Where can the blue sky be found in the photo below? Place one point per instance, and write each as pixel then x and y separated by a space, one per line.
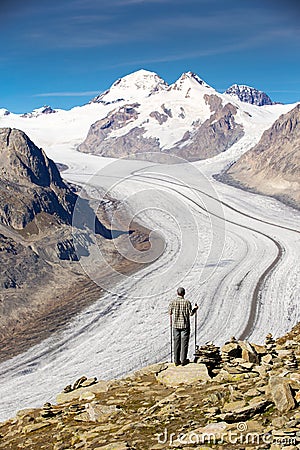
pixel 64 52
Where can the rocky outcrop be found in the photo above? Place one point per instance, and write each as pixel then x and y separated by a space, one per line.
pixel 272 167
pixel 130 144
pixel 30 183
pixel 249 94
pixel 189 374
pixel 18 264
pixel 100 141
pixel 102 129
pixel 213 136
pixel 163 406
pixel 281 394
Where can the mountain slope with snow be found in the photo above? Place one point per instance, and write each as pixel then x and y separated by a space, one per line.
pixel 273 165
pixel 188 118
pixel 142 112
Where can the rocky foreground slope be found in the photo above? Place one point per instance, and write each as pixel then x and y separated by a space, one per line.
pixel 272 167
pixel 240 396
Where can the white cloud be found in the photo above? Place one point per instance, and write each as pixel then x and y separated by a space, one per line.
pixel 67 94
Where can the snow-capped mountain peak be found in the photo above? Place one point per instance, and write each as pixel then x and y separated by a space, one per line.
pixel 249 94
pixel 139 84
pixel 46 109
pixel 189 80
pixel 141 79
pixel 4 112
pixel 141 113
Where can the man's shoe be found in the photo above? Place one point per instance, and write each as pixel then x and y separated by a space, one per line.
pixel 177 364
pixel 184 363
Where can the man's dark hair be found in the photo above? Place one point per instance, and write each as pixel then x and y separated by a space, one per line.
pixel 181 291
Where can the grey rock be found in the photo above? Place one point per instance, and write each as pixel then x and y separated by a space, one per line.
pixel 249 94
pixel 30 182
pixel 211 137
pixel 281 394
pixel 245 412
pixel 161 118
pixel 40 111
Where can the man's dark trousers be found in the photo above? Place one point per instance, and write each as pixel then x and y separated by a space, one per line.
pixel 181 344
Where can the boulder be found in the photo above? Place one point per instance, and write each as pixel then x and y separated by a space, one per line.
pixel 232 406
pixel 247 366
pixel 248 352
pixel 192 373
pixel 232 350
pixel 245 413
pixel 149 370
pixel 97 413
pixel 281 394
pixel 78 383
pixel 259 349
pixel 225 376
pixel 89 382
pixel 267 359
pixel 100 386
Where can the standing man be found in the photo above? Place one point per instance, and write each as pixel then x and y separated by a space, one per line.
pixel 181 309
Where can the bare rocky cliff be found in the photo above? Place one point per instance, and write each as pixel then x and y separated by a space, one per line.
pixel 249 94
pixel 272 167
pixel 213 136
pixel 30 183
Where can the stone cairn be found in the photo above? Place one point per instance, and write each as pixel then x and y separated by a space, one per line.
pixel 48 411
pixel 291 361
pixel 230 351
pixel 208 354
pixel 270 345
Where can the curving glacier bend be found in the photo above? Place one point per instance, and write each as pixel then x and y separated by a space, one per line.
pixel 218 243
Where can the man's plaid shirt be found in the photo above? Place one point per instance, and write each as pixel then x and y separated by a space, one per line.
pixel 181 310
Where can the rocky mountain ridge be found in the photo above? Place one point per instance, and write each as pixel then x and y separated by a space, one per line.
pixel 272 167
pixel 187 118
pixel 238 395
pixel 30 183
pixel 249 94
pixel 46 109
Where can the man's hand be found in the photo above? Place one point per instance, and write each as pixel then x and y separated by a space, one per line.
pixel 194 309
